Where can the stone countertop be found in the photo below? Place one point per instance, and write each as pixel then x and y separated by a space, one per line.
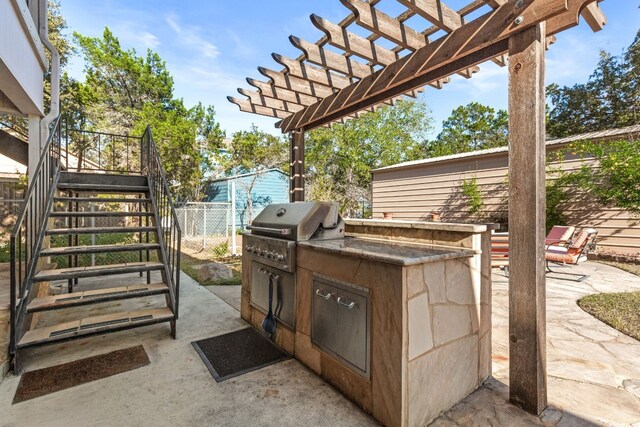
pixel 388 251
pixel 445 226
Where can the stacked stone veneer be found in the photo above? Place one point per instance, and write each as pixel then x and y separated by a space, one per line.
pixel 449 336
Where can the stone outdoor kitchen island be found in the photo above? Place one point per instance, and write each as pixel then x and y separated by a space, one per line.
pixel 410 308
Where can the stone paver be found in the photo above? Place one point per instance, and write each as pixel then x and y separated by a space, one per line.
pixel 594 370
pixel 594 373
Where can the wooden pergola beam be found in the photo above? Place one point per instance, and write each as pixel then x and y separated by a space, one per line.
pixel 268 89
pixel 311 73
pixel 439 84
pixel 385 26
pixel 258 99
pixel 247 107
pixel 482 39
pixel 594 16
pixel 331 60
pixel 353 43
pixel 296 83
pixel 392 29
pixel 436 12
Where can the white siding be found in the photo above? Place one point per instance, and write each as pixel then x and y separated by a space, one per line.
pixel 22 60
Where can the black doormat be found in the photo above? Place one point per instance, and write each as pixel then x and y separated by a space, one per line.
pixel 237 353
pixel 60 377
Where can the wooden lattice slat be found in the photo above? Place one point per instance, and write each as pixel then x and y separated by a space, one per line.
pixel 322 82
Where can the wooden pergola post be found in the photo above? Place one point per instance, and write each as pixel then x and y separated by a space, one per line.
pixel 527 154
pixel 296 166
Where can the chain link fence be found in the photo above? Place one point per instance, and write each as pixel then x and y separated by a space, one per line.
pixel 208 226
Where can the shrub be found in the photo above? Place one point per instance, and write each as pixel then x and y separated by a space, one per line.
pixel 471 190
pixel 220 250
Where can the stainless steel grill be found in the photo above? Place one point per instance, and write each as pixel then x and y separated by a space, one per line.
pixel 299 221
pixel 271 245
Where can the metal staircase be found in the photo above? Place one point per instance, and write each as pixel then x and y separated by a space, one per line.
pixel 69 277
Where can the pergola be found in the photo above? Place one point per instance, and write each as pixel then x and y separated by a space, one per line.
pixel 321 87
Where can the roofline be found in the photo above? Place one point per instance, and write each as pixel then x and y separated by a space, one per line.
pixel 591 136
pixel 242 175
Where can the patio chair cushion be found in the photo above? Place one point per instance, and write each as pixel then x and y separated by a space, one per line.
pixel 561 255
pixel 559 234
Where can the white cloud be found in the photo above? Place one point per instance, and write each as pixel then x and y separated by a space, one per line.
pixel 570 60
pixel 189 36
pixel 131 34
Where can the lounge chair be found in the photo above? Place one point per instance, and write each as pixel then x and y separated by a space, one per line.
pixel 571 252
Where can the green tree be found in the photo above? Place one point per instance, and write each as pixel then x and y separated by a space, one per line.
pixel 118 83
pixel 470 127
pixel 123 93
pixel 615 181
pixel 257 152
pixel 609 99
pixel 339 159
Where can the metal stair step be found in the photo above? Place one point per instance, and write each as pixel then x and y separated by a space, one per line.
pixel 101 214
pixel 74 299
pixel 102 199
pixel 103 188
pixel 96 271
pixel 98 230
pixel 94 325
pixel 96 249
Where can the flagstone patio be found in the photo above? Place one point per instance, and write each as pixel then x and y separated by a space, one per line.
pixel 594 373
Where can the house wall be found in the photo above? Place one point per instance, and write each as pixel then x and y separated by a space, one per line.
pixel 22 60
pixel 270 187
pixel 413 193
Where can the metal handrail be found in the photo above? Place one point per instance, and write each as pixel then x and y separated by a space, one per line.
pixel 168 227
pixel 28 232
pixel 110 152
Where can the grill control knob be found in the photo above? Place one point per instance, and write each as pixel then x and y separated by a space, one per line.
pixel 280 257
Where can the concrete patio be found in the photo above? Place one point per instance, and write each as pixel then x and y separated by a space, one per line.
pixel 594 373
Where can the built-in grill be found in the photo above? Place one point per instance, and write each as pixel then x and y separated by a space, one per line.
pixel 271 245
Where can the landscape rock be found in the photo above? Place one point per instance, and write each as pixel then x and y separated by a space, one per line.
pixel 214 271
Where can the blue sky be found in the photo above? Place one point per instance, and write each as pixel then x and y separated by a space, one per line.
pixel 211 47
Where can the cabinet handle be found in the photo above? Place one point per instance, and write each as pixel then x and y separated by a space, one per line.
pixel 349 306
pixel 327 296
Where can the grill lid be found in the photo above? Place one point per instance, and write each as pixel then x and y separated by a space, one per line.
pixel 298 221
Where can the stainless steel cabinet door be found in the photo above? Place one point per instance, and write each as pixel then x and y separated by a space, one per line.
pixel 352 328
pixel 323 324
